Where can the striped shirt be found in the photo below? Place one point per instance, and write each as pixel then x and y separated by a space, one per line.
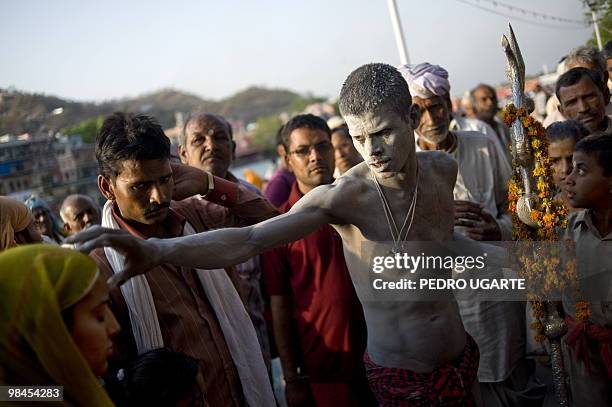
pixel 187 320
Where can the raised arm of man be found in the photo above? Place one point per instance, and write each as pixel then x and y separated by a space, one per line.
pixel 218 248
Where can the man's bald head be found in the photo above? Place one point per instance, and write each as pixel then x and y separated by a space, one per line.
pixel 370 87
pixel 79 212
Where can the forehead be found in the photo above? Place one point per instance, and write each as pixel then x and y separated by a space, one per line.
pixel 144 170
pixel 584 85
pixel 80 204
pixel 564 146
pixel 372 122
pixel 206 124
pixel 306 136
pixel 484 92
pixel 432 101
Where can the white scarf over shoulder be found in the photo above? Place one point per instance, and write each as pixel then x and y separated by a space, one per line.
pixel 235 323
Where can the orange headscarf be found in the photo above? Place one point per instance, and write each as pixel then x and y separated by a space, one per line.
pixel 14 217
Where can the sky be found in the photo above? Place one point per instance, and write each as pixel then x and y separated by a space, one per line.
pixel 98 50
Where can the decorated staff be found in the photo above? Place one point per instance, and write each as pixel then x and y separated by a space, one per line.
pixel 536 215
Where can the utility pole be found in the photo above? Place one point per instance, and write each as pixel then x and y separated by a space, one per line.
pixel 399 34
pixel 592 5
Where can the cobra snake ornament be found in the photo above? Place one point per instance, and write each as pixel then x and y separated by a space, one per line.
pixel 523 162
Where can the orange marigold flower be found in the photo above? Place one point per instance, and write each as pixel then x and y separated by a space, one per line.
pixel 539 338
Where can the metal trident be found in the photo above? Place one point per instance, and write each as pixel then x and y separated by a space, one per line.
pixel 554 326
pixel 521 151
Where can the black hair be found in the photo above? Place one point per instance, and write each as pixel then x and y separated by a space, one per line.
pixel 159 377
pixel 279 136
pixel 600 147
pixel 300 121
pixel 126 136
pixel 482 86
pixel 574 75
pixel 606 52
pixel 205 116
pixel 571 129
pixel 372 86
pixel 343 130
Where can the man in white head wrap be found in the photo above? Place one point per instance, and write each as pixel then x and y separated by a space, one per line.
pixel 433 79
pixel 480 212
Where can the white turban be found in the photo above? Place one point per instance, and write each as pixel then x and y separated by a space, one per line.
pixel 426 80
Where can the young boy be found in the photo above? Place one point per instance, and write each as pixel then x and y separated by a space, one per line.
pixel 562 137
pixel 588 344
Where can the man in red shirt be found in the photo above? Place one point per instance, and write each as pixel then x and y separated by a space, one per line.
pixel 318 321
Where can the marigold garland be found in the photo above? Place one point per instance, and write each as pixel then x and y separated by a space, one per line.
pixel 549 214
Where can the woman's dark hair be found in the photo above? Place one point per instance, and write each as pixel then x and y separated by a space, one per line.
pixel 571 129
pixel 126 136
pixel 159 377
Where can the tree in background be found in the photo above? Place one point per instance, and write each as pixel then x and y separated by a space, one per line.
pixel 264 135
pixel 87 129
pixel 603 9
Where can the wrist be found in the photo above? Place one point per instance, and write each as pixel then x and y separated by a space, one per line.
pixel 210 184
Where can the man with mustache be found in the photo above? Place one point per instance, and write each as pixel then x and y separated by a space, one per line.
pixel 480 194
pixel 197 312
pixel 418 351
pixel 207 143
pixel 79 212
pixel 316 317
pixel 583 96
pixel 480 191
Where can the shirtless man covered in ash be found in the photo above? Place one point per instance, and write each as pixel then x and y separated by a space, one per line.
pixel 418 351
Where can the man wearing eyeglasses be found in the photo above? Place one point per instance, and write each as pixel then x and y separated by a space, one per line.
pixel 317 319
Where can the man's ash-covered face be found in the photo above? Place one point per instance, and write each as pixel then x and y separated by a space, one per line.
pixel 384 138
pixel 142 190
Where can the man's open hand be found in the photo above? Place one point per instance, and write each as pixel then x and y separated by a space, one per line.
pixel 140 255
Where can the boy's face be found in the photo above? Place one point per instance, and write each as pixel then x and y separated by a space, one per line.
pixel 560 153
pixel 587 186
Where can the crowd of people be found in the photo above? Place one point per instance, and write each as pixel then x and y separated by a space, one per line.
pixel 187 285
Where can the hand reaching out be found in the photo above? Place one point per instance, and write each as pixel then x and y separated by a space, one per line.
pixel 140 255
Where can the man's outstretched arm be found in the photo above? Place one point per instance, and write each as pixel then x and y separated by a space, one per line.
pixel 213 249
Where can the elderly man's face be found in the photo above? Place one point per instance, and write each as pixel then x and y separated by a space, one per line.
pixel 435 119
pixel 79 214
pixel 584 102
pixel 384 138
pixel 346 156
pixel 43 221
pixel 310 158
pixel 485 104
pixel 142 190
pixel 208 145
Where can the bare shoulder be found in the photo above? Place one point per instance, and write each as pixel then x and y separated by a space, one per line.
pixel 338 195
pixel 437 167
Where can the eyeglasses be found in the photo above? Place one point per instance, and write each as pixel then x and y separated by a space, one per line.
pixel 322 147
